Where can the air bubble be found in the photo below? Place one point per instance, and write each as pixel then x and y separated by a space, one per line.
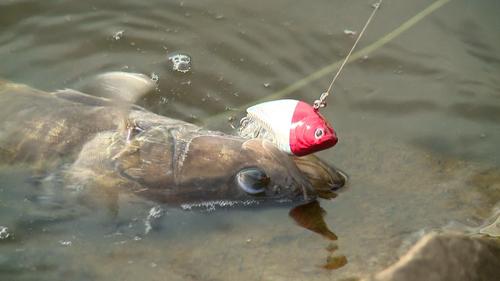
pixel 4 232
pixel 152 221
pixel 154 77
pixel 180 62
pixel 350 32
pixel 118 35
pixel 65 243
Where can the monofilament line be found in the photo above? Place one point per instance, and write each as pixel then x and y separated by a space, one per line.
pixel 321 102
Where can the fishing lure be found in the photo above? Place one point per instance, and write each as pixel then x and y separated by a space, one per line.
pixel 295 127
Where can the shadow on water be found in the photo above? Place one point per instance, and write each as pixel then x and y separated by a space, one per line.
pixel 311 216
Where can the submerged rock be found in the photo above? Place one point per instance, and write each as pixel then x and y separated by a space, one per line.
pixel 447 257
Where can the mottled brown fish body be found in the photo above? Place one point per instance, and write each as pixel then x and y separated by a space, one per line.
pixel 37 126
pixel 154 156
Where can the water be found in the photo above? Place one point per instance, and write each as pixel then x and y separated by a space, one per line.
pixel 418 122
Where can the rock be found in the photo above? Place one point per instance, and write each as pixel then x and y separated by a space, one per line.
pixel 447 257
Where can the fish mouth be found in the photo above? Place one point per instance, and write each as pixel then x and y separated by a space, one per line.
pixel 324 178
pixel 303 193
pixel 293 194
pixel 341 181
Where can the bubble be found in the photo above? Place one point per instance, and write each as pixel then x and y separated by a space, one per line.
pixel 118 35
pixel 156 212
pixel 212 205
pixel 154 77
pixel 163 100
pixel 350 32
pixel 65 243
pixel 180 62
pixel 4 232
pixel 152 220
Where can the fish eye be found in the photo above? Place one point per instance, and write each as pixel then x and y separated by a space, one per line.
pixel 318 133
pixel 252 180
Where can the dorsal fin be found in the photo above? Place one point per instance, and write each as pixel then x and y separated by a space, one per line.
pixel 79 97
pixel 124 89
pixel 85 99
pixel 121 87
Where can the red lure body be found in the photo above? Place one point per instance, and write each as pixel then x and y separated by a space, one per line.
pixel 310 132
pixel 297 127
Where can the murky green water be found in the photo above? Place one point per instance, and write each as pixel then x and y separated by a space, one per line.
pixel 418 121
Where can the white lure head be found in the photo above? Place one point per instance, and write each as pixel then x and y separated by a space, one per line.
pixel 294 126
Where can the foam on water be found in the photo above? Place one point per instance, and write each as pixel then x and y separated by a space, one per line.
pixel 180 62
pixel 4 232
pixel 212 205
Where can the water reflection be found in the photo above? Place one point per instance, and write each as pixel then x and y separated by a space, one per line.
pixel 311 216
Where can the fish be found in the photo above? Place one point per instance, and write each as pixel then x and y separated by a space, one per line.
pixel 295 127
pixel 99 139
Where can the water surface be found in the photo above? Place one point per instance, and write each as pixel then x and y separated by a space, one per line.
pixel 418 121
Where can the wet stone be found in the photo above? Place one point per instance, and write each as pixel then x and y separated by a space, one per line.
pixel 447 257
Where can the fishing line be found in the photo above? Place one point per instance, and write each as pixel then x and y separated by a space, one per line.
pixel 321 102
pixel 331 67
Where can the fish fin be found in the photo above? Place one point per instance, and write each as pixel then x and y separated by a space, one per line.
pixel 79 97
pixel 120 86
pixel 251 144
pixel 123 89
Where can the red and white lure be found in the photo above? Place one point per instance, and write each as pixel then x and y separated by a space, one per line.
pixel 293 126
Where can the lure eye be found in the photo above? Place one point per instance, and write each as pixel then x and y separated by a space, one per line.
pixel 252 180
pixel 318 133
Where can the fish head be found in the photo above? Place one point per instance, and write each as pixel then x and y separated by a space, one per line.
pixel 272 173
pixel 224 167
pixel 208 168
pixel 179 163
pixel 310 131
